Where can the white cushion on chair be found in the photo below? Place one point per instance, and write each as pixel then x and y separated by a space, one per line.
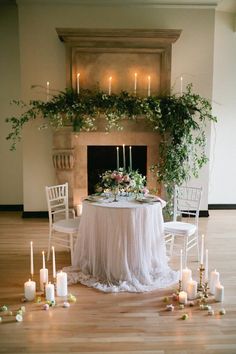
pixel 69 226
pixel 179 228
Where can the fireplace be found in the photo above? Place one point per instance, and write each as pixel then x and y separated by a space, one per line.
pixel 102 158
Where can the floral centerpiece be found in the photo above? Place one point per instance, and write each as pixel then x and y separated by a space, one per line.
pixel 122 182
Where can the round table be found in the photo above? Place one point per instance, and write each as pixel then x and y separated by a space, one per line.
pixel 120 247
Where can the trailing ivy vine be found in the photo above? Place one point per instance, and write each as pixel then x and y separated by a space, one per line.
pixel 179 120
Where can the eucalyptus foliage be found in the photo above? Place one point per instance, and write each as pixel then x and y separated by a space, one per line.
pixel 179 120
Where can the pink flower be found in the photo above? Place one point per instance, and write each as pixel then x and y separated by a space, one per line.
pixel 145 191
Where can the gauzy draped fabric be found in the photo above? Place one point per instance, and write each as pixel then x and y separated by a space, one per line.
pixel 120 247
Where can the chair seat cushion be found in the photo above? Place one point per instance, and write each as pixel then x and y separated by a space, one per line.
pixel 179 228
pixel 69 226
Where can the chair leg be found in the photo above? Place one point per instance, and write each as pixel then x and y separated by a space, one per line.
pixel 49 244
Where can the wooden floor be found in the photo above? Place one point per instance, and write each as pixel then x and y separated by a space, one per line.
pixel 114 323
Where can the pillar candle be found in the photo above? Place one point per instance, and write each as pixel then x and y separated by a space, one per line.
pixel 50 292
pixel 214 279
pixel 219 292
pixel 192 289
pixel 183 297
pixel 186 277
pixel 135 83
pixel 79 209
pixel 43 275
pixel 117 158
pixel 109 85
pixel 61 284
pixel 124 161
pixel 31 259
pixel 53 263
pixel 47 90
pixel 77 82
pixel 202 249
pixel 149 86
pixel 30 290
pixel 130 158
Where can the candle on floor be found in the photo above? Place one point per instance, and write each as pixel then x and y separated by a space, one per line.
pixel 149 86
pixel 214 279
pixel 130 158
pixel 192 289
pixel 53 263
pixel 186 277
pixel 183 297
pixel 206 266
pixel 202 250
pixel 124 161
pixel 50 292
pixel 219 292
pixel 109 85
pixel 135 83
pixel 31 259
pixel 61 284
pixel 30 290
pixel 117 158
pixel 43 275
pixel 77 82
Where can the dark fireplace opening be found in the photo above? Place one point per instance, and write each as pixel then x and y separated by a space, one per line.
pixel 102 158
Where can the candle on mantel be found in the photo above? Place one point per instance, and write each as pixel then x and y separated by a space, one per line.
pixel 47 90
pixel 53 263
pixel 77 82
pixel 130 158
pixel 109 85
pixel 43 275
pixel 181 85
pixel 50 292
pixel 149 86
pixel 183 297
pixel 31 259
pixel 202 250
pixel 117 158
pixel 186 277
pixel 61 284
pixel 124 160
pixel 30 290
pixel 135 83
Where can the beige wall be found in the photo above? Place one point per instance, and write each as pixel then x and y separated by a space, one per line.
pixel 43 59
pixel 10 162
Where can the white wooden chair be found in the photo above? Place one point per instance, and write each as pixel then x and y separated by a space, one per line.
pixel 186 203
pixel 58 208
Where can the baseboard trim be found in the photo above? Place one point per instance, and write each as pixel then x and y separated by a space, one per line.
pixel 203 213
pixel 34 214
pixel 222 206
pixel 11 207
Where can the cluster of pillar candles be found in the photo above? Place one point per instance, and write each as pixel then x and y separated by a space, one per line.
pixel 60 279
pixel 189 287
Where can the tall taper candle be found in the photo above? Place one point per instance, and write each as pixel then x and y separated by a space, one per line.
pixel 117 158
pixel 43 260
pixel 135 83
pixel 53 263
pixel 181 265
pixel 47 90
pixel 130 158
pixel 124 161
pixel 202 249
pixel 109 85
pixel 206 266
pixel 77 82
pixel 149 86
pixel 31 259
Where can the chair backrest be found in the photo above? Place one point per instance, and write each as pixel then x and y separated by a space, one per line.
pixel 57 200
pixel 187 202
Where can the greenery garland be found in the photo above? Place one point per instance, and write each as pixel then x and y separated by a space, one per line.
pixel 179 120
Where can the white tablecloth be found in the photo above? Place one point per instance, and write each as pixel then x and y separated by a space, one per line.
pixel 120 247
